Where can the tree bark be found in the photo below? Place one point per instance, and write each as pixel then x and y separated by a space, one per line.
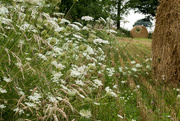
pixel 118 14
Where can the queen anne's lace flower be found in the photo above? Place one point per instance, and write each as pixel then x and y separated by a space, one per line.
pixel 3 90
pixel 3 10
pixel 7 79
pixel 2 106
pixel 85 113
pixel 87 18
pixel 97 82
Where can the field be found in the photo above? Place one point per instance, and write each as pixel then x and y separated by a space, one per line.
pixel 53 69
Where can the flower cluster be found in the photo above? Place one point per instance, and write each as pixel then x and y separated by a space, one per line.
pixel 87 18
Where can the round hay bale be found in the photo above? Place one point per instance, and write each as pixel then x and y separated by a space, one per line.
pixel 166 42
pixel 139 31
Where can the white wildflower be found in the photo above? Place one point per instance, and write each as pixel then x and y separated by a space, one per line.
pixel 138 86
pixel 27 27
pixel 87 18
pixel 57 65
pixel 79 24
pixel 64 87
pixel 3 90
pixel 85 113
pixel 97 82
pixel 102 20
pixel 21 42
pixel 115 86
pixel 19 65
pixel 82 69
pixel 109 92
pixel 5 21
pixel 7 79
pixel 75 27
pixel 52 99
pixel 28 59
pixel 75 73
pixel 3 10
pixel 64 21
pixel 89 50
pixel 77 36
pixel 30 104
pixel 107 89
pixel 79 82
pixel 100 41
pixel 119 116
pixel 111 31
pixel 58 29
pixel 21 92
pixel 109 21
pixel 138 65
pixel 134 69
pixel 59 14
pixel 19 110
pixel 110 71
pixel 148 66
pixel 59 98
pixel 113 94
pixel 120 69
pixel 133 62
pixel 71 93
pixel 123 82
pixel 122 98
pixel 178 96
pixel 56 76
pixel 2 106
pixel 42 56
pixel 85 28
pixel 35 97
pixel 96 103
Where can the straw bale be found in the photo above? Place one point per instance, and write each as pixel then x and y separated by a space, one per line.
pixel 139 31
pixel 166 42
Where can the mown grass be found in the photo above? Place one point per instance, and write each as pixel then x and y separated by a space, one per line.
pixel 51 74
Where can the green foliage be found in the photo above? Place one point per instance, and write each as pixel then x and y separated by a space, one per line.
pixel 83 8
pixel 123 32
pixel 146 7
pixel 145 22
pixel 116 9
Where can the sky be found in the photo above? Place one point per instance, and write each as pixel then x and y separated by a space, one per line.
pixel 132 18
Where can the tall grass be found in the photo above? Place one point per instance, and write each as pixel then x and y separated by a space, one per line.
pixel 54 69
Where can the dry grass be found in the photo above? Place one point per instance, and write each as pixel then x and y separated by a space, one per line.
pixel 166 42
pixel 139 31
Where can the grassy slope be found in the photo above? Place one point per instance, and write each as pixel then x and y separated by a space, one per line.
pixel 153 100
pixel 36 69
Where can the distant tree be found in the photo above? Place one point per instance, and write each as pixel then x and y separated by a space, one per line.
pixel 145 22
pixel 116 9
pixel 83 8
pixel 146 7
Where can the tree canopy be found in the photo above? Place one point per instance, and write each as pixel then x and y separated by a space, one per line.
pixel 146 7
pixel 145 22
pixel 83 8
pixel 96 8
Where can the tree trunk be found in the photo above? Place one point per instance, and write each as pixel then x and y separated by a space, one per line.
pixel 166 43
pixel 118 14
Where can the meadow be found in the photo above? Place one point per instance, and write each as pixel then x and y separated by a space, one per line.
pixel 53 69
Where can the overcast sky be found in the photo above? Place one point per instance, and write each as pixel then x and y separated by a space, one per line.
pixel 132 18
